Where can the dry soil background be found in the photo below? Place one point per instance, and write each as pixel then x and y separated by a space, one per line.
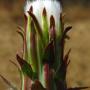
pixel 11 43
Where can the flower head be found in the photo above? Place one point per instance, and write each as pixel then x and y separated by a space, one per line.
pixel 43 43
pixel 53 7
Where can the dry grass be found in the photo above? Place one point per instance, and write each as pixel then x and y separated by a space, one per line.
pixel 10 43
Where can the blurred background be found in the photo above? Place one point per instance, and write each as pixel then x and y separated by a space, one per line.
pixel 77 14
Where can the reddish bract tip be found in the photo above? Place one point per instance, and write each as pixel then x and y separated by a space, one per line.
pixel 31 9
pixel 44 12
pixel 52 21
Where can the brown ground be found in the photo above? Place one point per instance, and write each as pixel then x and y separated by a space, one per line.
pixel 10 43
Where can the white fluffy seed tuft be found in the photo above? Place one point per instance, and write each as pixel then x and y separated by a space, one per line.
pixel 52 7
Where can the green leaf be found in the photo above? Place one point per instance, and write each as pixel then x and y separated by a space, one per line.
pixel 26 44
pixel 33 48
pixel 45 26
pixel 27 37
pixel 40 50
pixel 49 54
pixel 59 45
pixel 26 68
pixel 38 28
pixel 30 36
